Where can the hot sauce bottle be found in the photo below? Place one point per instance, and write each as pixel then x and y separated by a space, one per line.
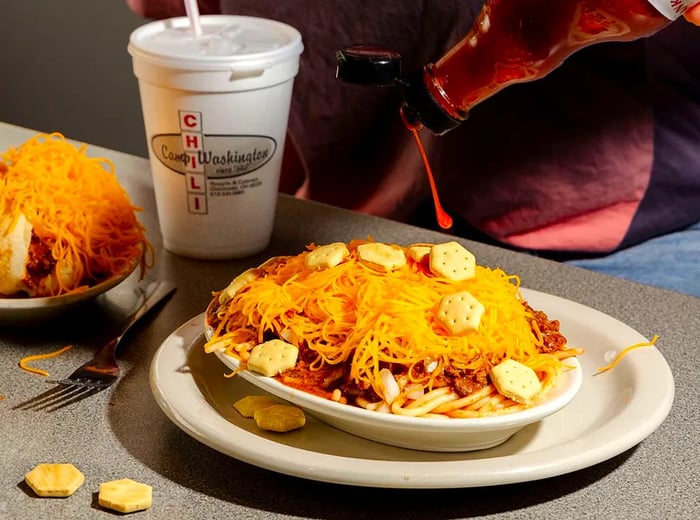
pixel 511 41
pixel 516 41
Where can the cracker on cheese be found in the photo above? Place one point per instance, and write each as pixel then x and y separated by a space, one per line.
pixel 516 381
pixel 452 261
pixel 272 357
pixel 460 312
pixel 418 252
pixel 237 284
pixel 382 255
pixel 327 256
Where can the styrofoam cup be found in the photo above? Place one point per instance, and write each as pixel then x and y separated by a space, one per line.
pixel 215 109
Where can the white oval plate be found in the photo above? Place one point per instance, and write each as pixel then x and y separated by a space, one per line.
pixel 612 412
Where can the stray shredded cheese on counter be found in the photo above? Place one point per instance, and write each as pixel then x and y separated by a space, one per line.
pixel 28 359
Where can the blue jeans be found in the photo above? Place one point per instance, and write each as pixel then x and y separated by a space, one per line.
pixel 670 261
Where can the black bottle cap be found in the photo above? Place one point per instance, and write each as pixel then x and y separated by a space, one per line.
pixel 368 65
pixel 420 107
pixel 378 66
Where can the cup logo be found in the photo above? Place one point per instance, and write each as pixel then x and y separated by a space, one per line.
pixel 212 165
pixel 215 156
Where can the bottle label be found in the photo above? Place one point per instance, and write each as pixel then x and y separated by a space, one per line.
pixel 672 9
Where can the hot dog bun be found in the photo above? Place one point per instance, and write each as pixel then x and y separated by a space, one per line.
pixel 15 238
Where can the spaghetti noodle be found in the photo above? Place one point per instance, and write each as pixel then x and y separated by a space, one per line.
pixel 353 323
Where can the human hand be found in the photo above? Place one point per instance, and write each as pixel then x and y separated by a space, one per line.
pixel 693 14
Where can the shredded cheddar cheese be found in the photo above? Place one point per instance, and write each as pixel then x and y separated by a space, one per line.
pixel 76 207
pixel 23 363
pixel 353 313
pixel 626 351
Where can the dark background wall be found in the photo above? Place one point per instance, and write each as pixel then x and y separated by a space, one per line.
pixel 64 67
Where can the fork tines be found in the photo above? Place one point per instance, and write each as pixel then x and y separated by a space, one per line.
pixel 59 396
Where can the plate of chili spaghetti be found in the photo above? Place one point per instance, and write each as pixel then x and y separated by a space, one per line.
pixel 416 346
pixel 612 412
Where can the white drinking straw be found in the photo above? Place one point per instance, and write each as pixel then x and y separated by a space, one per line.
pixel 193 14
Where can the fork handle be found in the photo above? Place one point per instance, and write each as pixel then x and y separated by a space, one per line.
pixel 155 292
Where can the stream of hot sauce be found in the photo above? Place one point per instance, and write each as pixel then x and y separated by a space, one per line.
pixel 444 220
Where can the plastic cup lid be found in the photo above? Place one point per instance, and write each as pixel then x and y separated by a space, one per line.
pixel 225 41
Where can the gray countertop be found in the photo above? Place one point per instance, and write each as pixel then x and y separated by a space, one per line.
pixel 122 432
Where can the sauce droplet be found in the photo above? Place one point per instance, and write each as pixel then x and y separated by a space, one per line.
pixel 443 219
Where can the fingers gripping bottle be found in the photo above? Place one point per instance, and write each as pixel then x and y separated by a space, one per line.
pixel 511 41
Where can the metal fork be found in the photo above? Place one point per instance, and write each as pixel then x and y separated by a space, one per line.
pixel 102 370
